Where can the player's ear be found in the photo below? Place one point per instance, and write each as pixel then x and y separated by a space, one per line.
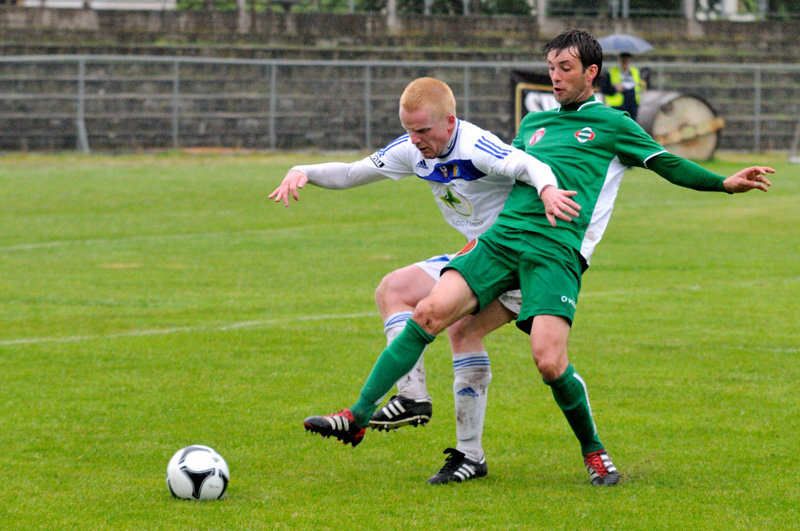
pixel 591 71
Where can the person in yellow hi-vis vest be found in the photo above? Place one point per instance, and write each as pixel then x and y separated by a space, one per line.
pixel 623 87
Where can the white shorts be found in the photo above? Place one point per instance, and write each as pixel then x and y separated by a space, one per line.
pixel 433 267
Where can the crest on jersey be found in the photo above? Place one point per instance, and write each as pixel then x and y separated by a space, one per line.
pixel 536 136
pixel 584 135
pixel 450 171
pixel 456 202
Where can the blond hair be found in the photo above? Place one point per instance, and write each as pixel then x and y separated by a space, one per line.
pixel 432 92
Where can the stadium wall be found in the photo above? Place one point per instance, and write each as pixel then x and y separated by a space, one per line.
pixel 186 104
pixel 20 24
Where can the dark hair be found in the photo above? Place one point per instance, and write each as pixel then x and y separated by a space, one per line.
pixel 589 50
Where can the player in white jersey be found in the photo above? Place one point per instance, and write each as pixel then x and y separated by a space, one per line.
pixel 470 172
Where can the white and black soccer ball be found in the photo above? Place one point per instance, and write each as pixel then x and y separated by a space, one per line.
pixel 197 473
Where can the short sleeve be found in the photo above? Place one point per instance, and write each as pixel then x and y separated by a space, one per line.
pixel 633 145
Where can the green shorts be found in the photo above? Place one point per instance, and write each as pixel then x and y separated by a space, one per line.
pixel 547 272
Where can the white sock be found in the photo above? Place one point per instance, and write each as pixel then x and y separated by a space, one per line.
pixel 412 385
pixel 473 372
pixel 394 325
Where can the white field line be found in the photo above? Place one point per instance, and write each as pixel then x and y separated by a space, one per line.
pixel 151 237
pixel 288 321
pixel 183 329
pixel 207 328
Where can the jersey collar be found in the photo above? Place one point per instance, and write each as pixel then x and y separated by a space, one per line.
pixel 578 105
pixel 451 144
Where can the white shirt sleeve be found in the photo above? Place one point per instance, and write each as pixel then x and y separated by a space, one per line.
pixel 529 170
pixel 492 155
pixel 395 161
pixel 341 175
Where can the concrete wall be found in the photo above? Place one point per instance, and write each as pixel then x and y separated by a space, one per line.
pixel 317 29
pixel 124 103
pixel 132 106
pixel 102 4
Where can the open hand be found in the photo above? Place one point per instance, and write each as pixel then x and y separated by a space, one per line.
pixel 748 179
pixel 294 181
pixel 557 204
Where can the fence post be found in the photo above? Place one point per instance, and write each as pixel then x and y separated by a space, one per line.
pixel 273 105
pixel 757 109
pixel 541 12
pixel 689 9
pixel 367 107
pixel 176 100
pixel 466 93
pixel 83 137
pixel 660 77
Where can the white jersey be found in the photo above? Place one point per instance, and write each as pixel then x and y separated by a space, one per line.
pixel 466 180
pixel 470 181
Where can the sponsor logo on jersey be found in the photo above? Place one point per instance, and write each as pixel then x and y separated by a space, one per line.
pixel 536 136
pixel 468 247
pixel 456 202
pixel 568 300
pixel 584 135
pixel 376 160
pixel 421 164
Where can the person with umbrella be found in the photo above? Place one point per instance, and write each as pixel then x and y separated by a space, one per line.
pixel 623 85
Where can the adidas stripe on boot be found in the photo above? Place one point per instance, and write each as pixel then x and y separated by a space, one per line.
pixel 602 471
pixel 459 468
pixel 341 425
pixel 401 411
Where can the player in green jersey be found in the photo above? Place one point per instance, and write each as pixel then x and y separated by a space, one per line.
pixel 588 146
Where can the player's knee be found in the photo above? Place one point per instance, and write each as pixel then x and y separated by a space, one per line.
pixel 388 290
pixel 382 290
pixel 549 337
pixel 548 370
pixel 428 315
pixel 549 361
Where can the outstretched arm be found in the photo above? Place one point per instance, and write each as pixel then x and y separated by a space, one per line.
pixel 331 175
pixel 748 179
pixel 683 172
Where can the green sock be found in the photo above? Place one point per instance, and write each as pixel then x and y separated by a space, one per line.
pixel 394 362
pixel 569 390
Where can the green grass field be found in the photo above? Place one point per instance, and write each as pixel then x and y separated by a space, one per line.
pixel 149 302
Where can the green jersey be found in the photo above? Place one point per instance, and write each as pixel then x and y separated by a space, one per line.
pixel 588 146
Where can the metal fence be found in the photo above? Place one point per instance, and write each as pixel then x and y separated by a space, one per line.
pixel 90 102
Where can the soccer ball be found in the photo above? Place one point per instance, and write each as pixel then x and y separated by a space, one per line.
pixel 197 473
